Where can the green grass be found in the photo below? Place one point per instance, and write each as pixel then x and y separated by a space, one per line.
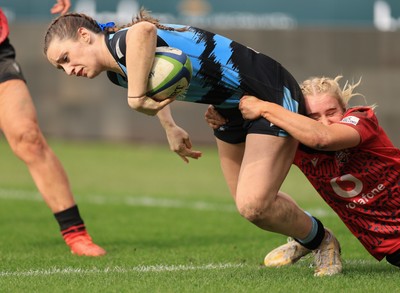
pixel 167 226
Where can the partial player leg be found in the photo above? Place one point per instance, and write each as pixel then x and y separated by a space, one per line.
pixel 19 124
pixel 266 162
pixel 231 156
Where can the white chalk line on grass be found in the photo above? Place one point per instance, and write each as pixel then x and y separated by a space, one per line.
pixel 106 270
pixel 143 269
pixel 144 201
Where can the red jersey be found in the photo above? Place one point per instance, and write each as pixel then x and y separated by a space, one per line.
pixel 361 184
pixel 3 27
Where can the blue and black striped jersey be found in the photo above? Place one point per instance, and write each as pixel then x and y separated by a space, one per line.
pixel 223 70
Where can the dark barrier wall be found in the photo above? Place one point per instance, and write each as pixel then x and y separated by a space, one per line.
pixel 96 109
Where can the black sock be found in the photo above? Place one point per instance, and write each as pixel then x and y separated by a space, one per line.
pixel 313 244
pixel 394 258
pixel 68 218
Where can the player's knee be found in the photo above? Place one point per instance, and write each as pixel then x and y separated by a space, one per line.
pixel 29 144
pixel 394 258
pixel 253 212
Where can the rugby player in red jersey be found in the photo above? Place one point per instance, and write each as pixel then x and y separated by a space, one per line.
pixel 349 160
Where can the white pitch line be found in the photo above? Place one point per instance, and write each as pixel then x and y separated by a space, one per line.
pixel 145 201
pixel 106 270
pixel 143 269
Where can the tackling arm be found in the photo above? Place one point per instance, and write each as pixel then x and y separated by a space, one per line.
pixel 306 130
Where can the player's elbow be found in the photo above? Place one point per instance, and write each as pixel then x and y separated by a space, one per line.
pixel 320 141
pixel 146 29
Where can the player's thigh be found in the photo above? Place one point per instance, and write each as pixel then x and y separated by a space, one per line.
pixel 17 112
pixel 266 162
pixel 230 159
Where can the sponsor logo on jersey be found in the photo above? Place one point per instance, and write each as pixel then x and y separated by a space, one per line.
pixel 366 197
pixel 348 186
pixel 350 120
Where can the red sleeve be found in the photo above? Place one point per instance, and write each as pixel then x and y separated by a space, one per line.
pixel 3 27
pixel 363 120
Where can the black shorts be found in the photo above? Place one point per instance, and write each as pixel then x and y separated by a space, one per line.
pixel 237 128
pixel 270 82
pixel 9 68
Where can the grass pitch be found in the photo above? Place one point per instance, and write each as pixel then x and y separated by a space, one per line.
pixel 167 227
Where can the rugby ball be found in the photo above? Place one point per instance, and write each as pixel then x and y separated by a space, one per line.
pixel 170 75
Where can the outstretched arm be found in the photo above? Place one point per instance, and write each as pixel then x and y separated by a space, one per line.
pixel 178 138
pixel 306 130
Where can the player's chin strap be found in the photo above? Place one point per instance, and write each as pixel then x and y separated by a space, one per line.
pixel 103 26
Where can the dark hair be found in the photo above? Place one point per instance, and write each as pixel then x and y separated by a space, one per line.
pixel 66 26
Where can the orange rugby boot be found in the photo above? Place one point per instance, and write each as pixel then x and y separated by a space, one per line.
pixel 81 243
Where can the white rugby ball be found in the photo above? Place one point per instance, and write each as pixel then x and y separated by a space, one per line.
pixel 170 75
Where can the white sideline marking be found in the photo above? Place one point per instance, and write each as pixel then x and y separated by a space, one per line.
pixel 138 269
pixel 145 201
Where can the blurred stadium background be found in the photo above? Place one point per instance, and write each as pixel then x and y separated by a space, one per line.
pixel 353 38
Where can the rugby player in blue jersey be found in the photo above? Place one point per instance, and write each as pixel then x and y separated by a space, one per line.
pixel 255 156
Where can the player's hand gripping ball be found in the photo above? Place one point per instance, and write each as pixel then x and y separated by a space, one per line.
pixel 170 75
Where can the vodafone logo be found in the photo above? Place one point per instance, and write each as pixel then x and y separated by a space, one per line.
pixel 348 186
